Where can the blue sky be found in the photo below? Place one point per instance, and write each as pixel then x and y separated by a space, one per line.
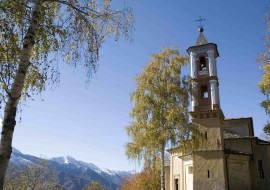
pixel 89 123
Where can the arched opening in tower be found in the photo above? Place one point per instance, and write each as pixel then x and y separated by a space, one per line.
pixel 202 64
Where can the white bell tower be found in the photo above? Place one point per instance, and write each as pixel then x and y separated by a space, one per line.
pixel 204 76
pixel 208 159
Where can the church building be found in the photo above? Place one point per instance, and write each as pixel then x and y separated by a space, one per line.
pixel 231 157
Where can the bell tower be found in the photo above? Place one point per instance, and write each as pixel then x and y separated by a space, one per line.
pixel 209 170
pixel 204 75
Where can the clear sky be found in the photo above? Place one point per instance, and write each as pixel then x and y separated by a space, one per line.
pixel 89 123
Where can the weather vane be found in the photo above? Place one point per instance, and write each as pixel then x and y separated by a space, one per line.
pixel 200 21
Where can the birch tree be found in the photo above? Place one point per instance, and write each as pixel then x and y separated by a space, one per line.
pixel 264 60
pixel 160 112
pixel 34 34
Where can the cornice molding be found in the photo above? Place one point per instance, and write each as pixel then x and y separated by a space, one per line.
pixel 205 78
pixel 207 114
pixel 203 49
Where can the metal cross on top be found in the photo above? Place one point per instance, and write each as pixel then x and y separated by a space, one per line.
pixel 200 20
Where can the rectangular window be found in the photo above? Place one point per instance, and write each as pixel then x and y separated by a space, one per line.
pixel 204 91
pixel 208 174
pixel 205 134
pixel 176 184
pixel 260 169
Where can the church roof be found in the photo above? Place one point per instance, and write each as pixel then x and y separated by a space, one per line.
pixel 201 40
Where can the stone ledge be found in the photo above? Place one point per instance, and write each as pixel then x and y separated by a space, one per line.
pixel 207 114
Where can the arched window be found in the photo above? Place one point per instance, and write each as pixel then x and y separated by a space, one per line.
pixel 202 64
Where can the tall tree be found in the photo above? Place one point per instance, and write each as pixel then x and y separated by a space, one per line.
pixel 33 34
pixel 264 60
pixel 160 112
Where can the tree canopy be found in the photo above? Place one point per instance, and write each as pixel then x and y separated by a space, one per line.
pixel 264 60
pixel 34 34
pixel 73 30
pixel 160 113
pixel 145 180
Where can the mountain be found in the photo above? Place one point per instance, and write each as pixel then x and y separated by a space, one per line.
pixel 73 174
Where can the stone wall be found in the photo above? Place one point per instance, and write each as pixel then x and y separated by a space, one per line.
pixel 241 145
pixel 208 170
pixel 238 172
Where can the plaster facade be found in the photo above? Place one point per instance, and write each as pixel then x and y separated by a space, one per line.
pixel 230 157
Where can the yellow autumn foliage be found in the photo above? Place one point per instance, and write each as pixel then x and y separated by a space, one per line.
pixel 160 113
pixel 264 84
pixel 34 35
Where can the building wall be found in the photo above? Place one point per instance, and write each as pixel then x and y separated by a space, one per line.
pixel 208 170
pixel 187 174
pixel 167 177
pixel 238 172
pixel 241 126
pixel 213 128
pixel 176 171
pixel 243 145
pixel 209 159
pixel 241 163
pixel 260 152
pixel 181 171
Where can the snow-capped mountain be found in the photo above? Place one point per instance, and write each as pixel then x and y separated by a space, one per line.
pixel 19 158
pixel 80 164
pixel 70 160
pixel 73 174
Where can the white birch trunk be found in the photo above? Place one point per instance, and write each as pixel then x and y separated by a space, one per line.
pixel 162 168
pixel 9 120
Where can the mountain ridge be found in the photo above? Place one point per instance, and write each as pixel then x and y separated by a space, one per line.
pixel 73 174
